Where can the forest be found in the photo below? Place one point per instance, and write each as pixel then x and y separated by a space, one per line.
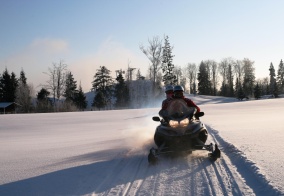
pixel 61 93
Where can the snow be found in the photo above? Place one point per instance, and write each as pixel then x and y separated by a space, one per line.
pixel 105 152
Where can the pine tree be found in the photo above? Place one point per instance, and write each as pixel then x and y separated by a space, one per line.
pixel 14 86
pixel 121 92
pixel 99 100
pixel 280 77
pixel 8 86
pixel 80 99
pixel 241 95
pixel 1 88
pixel 70 88
pixel 257 91
pixel 230 76
pixel 224 89
pixel 204 85
pixel 23 78
pixel 102 84
pixel 24 94
pixel 237 87
pixel 43 94
pixel 272 84
pixel 167 65
pixel 276 90
pixel 43 102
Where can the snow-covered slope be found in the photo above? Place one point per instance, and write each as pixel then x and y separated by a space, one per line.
pixel 105 153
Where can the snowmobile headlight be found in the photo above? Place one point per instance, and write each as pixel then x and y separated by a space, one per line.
pixel 182 123
pixel 173 123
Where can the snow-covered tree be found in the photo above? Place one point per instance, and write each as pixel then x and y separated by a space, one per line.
pixel 167 64
pixel 24 94
pixel 178 73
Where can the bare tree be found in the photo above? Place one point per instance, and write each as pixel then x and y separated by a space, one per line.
pixel 223 69
pixel 183 79
pixel 191 74
pixel 238 69
pixel 57 77
pixel 213 74
pixel 154 54
pixel 249 76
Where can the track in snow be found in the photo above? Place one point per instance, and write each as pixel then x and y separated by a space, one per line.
pixel 192 174
pixel 128 173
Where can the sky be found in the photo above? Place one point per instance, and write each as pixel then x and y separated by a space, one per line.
pixel 105 152
pixel 88 34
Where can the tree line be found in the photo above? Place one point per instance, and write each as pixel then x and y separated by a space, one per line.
pixel 229 77
pixel 49 99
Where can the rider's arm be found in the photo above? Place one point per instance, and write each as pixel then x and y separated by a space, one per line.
pixel 192 104
pixel 165 103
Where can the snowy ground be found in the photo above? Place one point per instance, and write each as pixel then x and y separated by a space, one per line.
pixel 105 153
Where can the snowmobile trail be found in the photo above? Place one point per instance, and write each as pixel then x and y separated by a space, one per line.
pixel 186 174
pixel 235 163
pixel 193 174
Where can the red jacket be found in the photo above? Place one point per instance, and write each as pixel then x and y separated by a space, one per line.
pixel 189 103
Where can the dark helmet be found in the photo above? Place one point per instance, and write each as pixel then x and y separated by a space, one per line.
pixel 169 88
pixel 178 91
pixel 178 88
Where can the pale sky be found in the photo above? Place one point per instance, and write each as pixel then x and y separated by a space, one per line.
pixel 90 33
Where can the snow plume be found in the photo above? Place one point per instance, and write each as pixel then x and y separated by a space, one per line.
pixel 142 97
pixel 140 136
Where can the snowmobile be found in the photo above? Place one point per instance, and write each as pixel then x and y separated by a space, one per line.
pixel 181 131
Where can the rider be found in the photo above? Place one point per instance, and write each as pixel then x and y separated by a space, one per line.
pixel 178 94
pixel 169 90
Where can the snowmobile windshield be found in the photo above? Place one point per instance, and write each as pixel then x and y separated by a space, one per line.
pixel 178 110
